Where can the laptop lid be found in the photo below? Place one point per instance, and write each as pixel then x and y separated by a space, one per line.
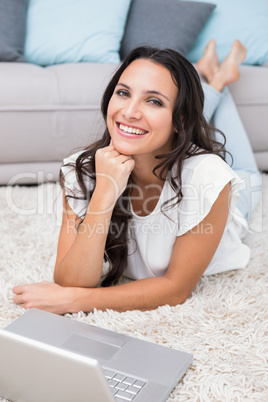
pixel 157 367
pixel 32 371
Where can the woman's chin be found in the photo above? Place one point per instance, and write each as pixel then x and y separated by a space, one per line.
pixel 125 149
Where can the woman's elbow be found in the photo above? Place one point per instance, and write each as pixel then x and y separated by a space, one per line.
pixel 61 277
pixel 177 295
pixel 67 279
pixel 179 298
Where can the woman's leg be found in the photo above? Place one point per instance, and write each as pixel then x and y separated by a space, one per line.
pixel 226 118
pixel 212 101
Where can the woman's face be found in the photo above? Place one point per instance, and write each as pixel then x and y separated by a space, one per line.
pixel 139 116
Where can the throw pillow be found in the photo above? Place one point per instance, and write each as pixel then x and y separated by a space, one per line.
pixel 171 24
pixel 246 20
pixel 69 31
pixel 12 29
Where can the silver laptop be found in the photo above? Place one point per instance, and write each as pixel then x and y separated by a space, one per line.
pixel 45 357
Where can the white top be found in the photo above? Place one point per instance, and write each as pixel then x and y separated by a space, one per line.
pixel 152 237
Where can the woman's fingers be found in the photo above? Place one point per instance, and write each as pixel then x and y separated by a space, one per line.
pixel 17 290
pixel 112 171
pixel 43 295
pixel 130 164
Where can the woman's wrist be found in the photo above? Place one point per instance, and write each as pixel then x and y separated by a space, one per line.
pixel 78 300
pixel 102 202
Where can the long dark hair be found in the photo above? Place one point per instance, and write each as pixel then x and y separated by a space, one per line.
pixel 193 136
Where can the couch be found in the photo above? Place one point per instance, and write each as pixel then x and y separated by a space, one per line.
pixel 48 112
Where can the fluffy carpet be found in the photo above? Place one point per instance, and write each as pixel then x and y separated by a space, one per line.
pixel 224 324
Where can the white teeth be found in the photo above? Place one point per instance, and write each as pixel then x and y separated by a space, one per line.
pixel 131 130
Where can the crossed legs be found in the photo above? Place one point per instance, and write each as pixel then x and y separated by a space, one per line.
pixel 220 106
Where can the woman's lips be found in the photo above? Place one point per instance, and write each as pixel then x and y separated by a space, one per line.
pixel 130 131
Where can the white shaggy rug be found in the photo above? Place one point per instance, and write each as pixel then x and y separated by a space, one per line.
pixel 224 324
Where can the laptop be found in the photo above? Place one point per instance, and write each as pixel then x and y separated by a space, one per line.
pixel 46 357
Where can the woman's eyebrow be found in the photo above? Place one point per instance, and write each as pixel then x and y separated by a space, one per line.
pixel 123 85
pixel 157 93
pixel 153 92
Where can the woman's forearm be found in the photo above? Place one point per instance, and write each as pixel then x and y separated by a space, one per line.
pixel 82 264
pixel 143 294
pixel 80 256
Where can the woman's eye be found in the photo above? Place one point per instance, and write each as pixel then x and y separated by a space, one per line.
pixel 122 92
pixel 156 102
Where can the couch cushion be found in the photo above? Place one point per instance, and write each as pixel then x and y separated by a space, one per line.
pixel 63 86
pixel 246 20
pixel 12 29
pixel 167 24
pixel 29 173
pixel 46 113
pixel 74 31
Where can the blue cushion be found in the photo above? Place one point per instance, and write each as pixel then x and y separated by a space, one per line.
pixel 246 20
pixel 69 31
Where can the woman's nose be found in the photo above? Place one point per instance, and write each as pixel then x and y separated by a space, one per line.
pixel 132 110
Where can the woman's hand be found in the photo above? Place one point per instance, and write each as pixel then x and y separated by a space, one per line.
pixel 112 172
pixel 46 296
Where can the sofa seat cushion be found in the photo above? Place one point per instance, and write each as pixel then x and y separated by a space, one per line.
pixel 47 112
pixel 74 85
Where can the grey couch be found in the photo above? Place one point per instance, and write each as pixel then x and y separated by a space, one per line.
pixel 48 113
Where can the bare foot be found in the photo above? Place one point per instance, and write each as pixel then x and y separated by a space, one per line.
pixel 209 64
pixel 229 68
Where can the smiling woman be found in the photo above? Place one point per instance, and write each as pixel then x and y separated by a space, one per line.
pixel 143 100
pixel 154 198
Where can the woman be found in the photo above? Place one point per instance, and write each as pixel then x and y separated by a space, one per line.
pixel 154 197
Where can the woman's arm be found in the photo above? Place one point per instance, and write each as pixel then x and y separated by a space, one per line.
pixel 191 255
pixel 81 251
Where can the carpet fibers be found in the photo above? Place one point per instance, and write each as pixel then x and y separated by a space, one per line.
pixel 224 323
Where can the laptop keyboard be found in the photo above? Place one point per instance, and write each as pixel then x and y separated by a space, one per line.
pixel 124 388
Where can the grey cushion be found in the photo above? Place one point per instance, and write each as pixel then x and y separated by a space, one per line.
pixel 41 109
pixel 171 24
pixel 12 29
